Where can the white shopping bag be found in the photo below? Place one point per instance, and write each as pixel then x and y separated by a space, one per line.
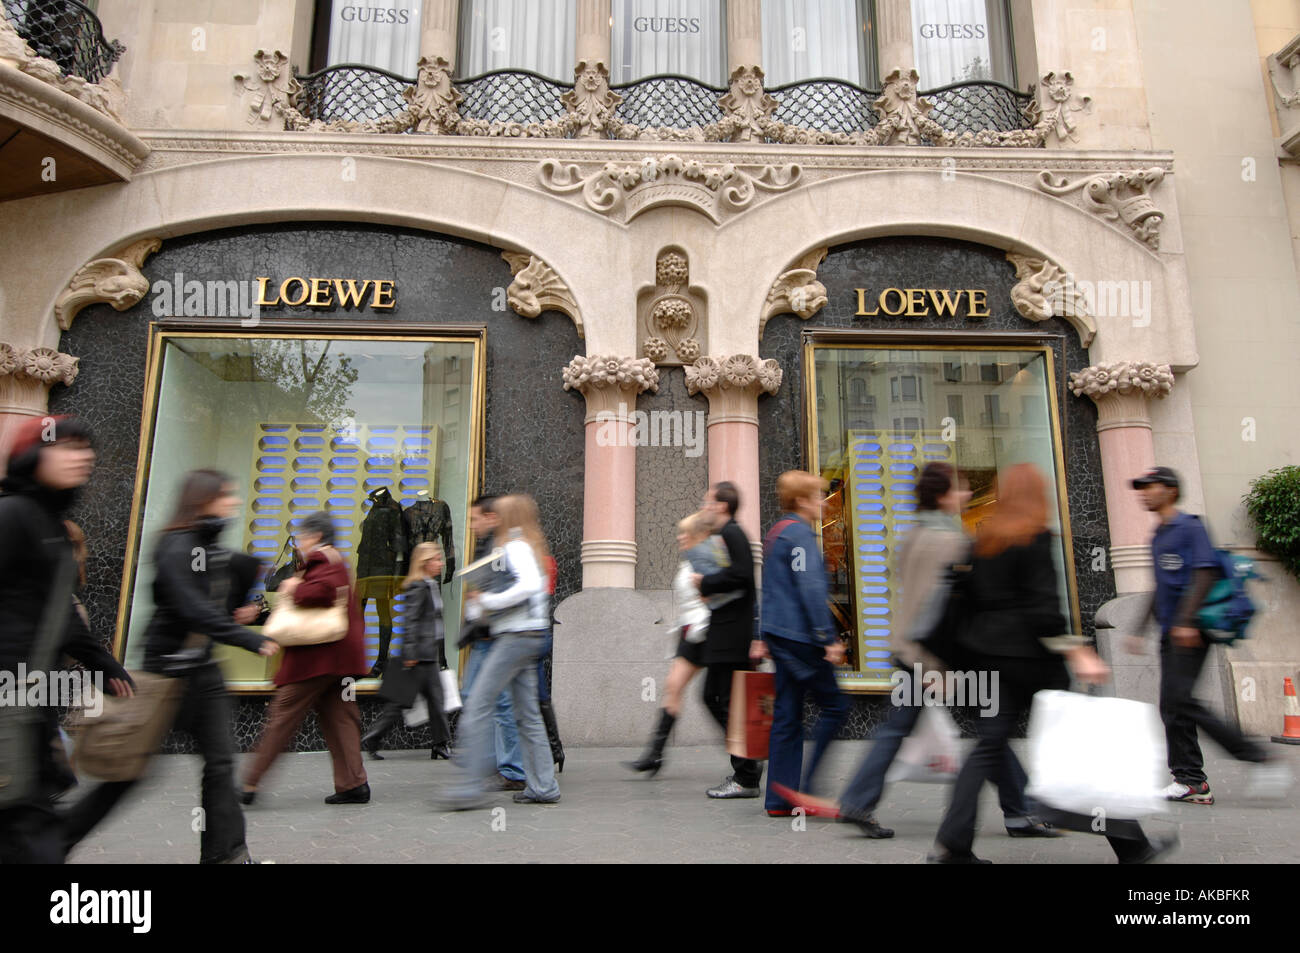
pixel 929 753
pixel 417 714
pixel 1089 755
pixel 450 691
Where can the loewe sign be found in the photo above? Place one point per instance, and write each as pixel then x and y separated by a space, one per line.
pixel 324 292
pixel 923 302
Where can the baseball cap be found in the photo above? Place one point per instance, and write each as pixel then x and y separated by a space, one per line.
pixel 1162 475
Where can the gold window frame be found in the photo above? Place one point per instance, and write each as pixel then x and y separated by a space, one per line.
pixel 938 341
pixel 161 332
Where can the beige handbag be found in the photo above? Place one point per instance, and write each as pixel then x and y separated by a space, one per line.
pixel 291 625
pixel 116 744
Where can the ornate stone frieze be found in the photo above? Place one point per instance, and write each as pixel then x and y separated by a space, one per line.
pixel 732 384
pixel 27 374
pixel 106 96
pixel 1054 101
pixel 746 104
pixel 671 315
pixel 272 87
pixel 433 100
pixel 610 382
pixel 538 288
pixel 625 191
pixel 591 102
pixel 1117 195
pixel 116 280
pixel 797 290
pixel 1044 290
pixel 1121 391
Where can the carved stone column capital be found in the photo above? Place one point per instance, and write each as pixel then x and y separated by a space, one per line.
pixel 538 288
pixel 610 383
pixel 732 385
pixel 27 374
pixel 116 280
pixel 1121 391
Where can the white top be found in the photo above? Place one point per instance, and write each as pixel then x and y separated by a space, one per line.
pixel 524 606
pixel 691 609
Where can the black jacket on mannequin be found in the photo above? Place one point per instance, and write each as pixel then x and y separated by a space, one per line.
pixel 382 550
pixel 428 520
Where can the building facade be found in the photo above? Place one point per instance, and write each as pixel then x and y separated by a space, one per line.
pixel 379 257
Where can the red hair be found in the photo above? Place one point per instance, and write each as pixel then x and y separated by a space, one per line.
pixel 1020 513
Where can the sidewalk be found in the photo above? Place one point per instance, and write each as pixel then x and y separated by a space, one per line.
pixel 608 815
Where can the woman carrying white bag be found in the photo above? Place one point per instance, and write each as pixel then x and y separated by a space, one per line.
pixel 1015 634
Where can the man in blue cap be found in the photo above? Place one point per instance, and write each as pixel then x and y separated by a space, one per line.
pixel 1186 567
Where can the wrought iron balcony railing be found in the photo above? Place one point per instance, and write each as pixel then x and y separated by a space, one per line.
pixel 518 103
pixel 66 32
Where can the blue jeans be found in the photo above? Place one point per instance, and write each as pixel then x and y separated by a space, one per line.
pixel 512 666
pixel 801 667
pixel 863 793
pixel 506 735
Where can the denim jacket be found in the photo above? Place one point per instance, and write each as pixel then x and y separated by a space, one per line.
pixel 795 591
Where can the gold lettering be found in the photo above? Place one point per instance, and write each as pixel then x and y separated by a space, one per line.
pixel 949 304
pixel 902 301
pixel 862 311
pixel 351 296
pixel 320 286
pixel 261 294
pixel 284 290
pixel 976 299
pixel 382 288
pixel 916 301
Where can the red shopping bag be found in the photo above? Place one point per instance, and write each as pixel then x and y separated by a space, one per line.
pixel 749 722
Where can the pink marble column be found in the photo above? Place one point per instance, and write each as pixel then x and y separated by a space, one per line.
pixel 1121 391
pixel 733 385
pixel 610 385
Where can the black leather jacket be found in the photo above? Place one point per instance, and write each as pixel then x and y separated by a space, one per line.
pixel 422 626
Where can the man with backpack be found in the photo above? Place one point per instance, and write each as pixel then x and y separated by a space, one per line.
pixel 1186 567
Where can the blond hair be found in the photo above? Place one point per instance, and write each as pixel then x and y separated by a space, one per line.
pixel 697 525
pixel 419 556
pixel 519 512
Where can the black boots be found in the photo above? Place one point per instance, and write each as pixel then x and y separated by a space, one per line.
pixel 653 757
pixel 553 735
pixel 372 739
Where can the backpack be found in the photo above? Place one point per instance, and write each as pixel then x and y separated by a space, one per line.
pixel 1228 608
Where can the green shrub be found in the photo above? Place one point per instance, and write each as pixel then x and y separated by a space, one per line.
pixel 1273 504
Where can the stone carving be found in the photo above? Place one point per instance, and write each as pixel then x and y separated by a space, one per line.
pixel 106 96
pixel 273 86
pixel 904 113
pixel 610 383
pixel 115 280
pixel 42 364
pixel 796 290
pixel 1283 70
pixel 1123 377
pixel 1054 100
pixel 1117 195
pixel 1044 290
pixel 538 288
pixel 670 314
pixel 746 104
pixel 629 190
pixel 433 100
pixel 591 102
pixel 732 383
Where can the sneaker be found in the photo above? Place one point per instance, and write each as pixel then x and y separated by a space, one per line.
pixel 1189 793
pixel 522 798
pixel 731 788
pixel 1269 781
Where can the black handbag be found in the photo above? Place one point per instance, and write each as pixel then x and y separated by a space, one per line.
pixel 286 564
pixel 943 638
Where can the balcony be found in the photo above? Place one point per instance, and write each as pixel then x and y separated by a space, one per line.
pixel 521 104
pixel 60 111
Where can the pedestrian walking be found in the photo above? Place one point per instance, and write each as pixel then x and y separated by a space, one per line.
pixel 50 459
pixel 518 617
pixel 421 659
pixel 312 677
pixel 701 554
pixel 933 545
pixel 732 635
pixel 476 634
pixel 798 634
pixel 1016 640
pixel 1186 567
pixel 544 704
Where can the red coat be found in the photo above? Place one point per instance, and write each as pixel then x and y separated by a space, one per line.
pixel 322 578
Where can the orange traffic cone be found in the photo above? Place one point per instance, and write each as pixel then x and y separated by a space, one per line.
pixel 1291 719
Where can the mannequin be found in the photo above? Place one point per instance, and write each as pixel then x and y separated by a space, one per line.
pixel 381 556
pixel 428 520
